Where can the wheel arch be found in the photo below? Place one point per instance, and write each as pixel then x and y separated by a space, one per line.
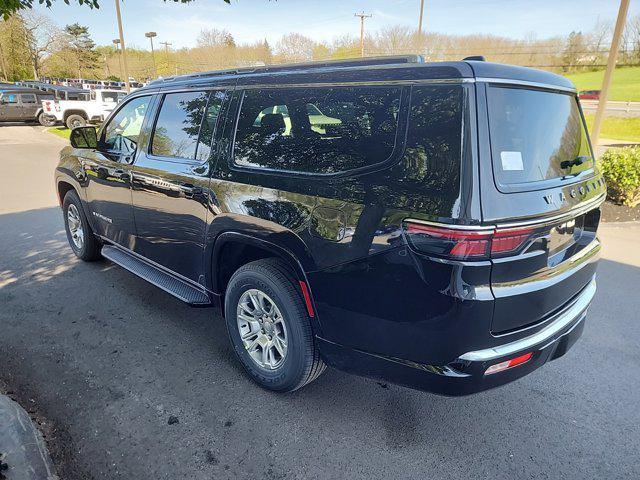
pixel 232 249
pixel 68 113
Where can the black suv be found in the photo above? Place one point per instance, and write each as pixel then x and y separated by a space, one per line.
pixel 428 224
pixel 19 104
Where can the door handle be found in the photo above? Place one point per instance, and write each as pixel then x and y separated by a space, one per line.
pixel 190 191
pixel 121 174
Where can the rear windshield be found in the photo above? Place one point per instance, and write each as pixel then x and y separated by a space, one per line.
pixel 536 136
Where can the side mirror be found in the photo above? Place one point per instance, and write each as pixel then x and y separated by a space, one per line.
pixel 84 137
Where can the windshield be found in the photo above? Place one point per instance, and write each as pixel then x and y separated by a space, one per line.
pixel 536 136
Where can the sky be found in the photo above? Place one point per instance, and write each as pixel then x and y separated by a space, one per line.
pixel 252 20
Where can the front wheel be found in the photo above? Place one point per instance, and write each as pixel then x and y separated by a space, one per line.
pixel 269 327
pixel 81 239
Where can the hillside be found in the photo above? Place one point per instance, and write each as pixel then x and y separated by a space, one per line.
pixel 624 87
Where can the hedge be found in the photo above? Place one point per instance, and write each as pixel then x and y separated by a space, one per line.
pixel 621 169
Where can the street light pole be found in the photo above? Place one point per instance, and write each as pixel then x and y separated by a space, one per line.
pixel 122 48
pixel 420 21
pixel 608 73
pixel 150 36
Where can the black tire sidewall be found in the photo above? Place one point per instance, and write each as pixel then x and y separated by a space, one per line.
pixel 72 198
pixel 288 376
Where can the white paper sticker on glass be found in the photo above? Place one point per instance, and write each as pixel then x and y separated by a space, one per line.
pixel 511 161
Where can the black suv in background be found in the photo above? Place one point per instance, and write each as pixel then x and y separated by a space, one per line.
pixel 19 104
pixel 429 224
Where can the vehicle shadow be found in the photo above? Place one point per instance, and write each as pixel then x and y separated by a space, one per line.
pixel 97 348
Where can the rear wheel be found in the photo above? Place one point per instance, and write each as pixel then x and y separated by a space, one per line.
pixel 45 121
pixel 75 120
pixel 269 327
pixel 81 239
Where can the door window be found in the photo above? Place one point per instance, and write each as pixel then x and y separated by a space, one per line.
pixel 11 98
pixel 122 132
pixel 317 130
pixel 207 132
pixel 178 125
pixel 28 98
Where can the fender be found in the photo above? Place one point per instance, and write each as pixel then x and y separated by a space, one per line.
pixel 299 264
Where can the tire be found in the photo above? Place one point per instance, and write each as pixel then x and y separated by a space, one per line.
pixel 302 363
pixel 75 120
pixel 89 248
pixel 42 120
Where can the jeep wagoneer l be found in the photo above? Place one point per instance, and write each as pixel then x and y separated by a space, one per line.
pixel 428 224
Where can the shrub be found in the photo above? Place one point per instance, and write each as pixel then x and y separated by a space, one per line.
pixel 621 169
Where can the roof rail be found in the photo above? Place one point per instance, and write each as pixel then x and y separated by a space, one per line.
pixel 477 58
pixel 349 62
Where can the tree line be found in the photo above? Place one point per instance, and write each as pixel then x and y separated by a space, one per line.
pixel 32 46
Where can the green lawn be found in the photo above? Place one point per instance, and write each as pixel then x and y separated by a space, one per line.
pixel 63 132
pixel 625 85
pixel 618 128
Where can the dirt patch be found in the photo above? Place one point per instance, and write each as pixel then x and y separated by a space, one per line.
pixel 619 213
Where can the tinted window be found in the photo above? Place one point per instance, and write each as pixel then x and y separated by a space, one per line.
pixel 207 131
pixel 11 98
pixel 178 125
pixel 536 135
pixel 122 132
pixel 317 130
pixel 28 98
pixel 434 139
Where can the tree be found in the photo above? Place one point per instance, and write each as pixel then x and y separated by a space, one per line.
pixel 16 59
pixel 40 36
pixel 212 37
pixel 295 47
pixel 9 7
pixel 80 43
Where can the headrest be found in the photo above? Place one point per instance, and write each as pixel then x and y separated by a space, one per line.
pixel 272 123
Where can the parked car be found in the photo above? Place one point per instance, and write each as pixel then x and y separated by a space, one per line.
pixel 18 104
pixel 438 231
pixel 77 113
pixel 589 95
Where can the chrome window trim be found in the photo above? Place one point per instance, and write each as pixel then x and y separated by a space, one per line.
pixel 574 313
pixel 525 83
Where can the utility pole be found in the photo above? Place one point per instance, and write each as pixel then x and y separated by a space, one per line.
pixel 116 42
pixel 362 17
pixel 122 48
pixel 608 73
pixel 166 52
pixel 150 36
pixel 420 21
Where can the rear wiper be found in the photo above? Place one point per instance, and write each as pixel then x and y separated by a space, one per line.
pixel 576 161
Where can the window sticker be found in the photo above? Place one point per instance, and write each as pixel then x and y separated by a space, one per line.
pixel 511 161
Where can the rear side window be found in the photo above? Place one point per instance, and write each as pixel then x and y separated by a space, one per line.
pixel 317 130
pixel 535 136
pixel 28 98
pixel 178 125
pixel 434 139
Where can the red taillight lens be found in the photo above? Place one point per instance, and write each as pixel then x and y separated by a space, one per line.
pixel 461 244
pixel 507 364
pixel 450 242
pixel 506 241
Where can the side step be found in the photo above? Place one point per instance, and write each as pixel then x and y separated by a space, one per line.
pixel 169 283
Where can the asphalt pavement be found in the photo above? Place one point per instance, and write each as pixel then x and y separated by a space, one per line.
pixel 133 384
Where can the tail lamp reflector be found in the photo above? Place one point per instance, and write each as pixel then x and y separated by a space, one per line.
pixel 507 364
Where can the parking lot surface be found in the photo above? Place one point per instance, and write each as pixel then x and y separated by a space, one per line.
pixel 106 361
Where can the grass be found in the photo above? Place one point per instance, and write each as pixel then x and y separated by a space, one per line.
pixel 618 128
pixel 63 132
pixel 625 85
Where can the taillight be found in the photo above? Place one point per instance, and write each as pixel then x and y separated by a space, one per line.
pixel 466 243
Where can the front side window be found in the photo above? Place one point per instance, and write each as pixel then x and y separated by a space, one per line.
pixel 122 132
pixel 317 130
pixel 11 98
pixel 536 135
pixel 28 98
pixel 178 125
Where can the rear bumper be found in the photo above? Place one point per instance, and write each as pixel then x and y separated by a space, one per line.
pixel 466 374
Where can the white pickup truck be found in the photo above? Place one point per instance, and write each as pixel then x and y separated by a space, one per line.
pixel 77 113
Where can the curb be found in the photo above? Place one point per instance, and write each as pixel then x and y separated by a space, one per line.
pixel 22 447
